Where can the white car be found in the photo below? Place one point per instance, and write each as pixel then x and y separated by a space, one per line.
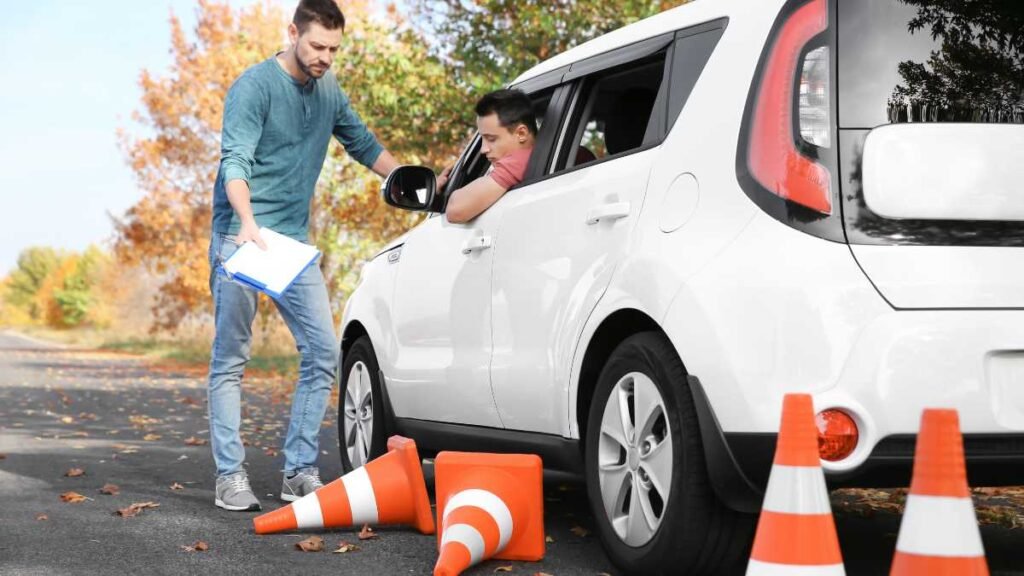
pixel 818 196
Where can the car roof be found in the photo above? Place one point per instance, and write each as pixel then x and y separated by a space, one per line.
pixel 689 14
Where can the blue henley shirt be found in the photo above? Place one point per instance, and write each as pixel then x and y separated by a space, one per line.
pixel 275 137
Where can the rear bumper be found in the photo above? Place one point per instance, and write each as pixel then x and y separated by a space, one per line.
pixel 992 460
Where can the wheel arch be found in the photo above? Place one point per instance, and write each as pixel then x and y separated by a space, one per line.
pixel 729 482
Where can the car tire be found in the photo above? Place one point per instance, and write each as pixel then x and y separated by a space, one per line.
pixel 362 426
pixel 678 525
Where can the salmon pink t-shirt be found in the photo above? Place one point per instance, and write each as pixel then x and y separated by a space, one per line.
pixel 510 170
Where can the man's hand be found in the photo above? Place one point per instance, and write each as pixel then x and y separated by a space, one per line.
pixel 443 178
pixel 250 232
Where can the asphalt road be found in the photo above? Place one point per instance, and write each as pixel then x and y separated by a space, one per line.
pixel 143 429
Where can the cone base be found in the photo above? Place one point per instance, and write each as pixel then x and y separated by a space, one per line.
pixel 905 564
pixel 413 465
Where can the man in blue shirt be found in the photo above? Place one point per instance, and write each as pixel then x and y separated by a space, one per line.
pixel 279 117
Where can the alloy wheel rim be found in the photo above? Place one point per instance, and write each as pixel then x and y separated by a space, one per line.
pixel 357 416
pixel 634 459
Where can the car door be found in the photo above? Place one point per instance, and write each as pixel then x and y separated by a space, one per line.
pixel 561 237
pixel 442 318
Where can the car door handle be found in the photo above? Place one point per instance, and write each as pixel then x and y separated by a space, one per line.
pixel 477 244
pixel 608 212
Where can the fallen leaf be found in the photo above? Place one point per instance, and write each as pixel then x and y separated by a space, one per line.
pixel 135 509
pixel 549 540
pixel 502 569
pixel 150 437
pixel 344 547
pixel 73 497
pixel 579 531
pixel 311 544
pixel 74 472
pixel 541 574
pixel 42 517
pixel 199 546
pixel 193 441
pixel 110 490
pixel 67 419
pixel 177 486
pixel 367 533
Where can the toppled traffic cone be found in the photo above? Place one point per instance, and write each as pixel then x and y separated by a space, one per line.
pixel 796 533
pixel 939 532
pixel 387 490
pixel 488 506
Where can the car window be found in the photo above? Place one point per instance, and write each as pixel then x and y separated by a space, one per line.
pixel 615 112
pixel 474 165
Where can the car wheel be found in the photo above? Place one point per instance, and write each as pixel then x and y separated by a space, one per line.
pixel 655 510
pixel 361 426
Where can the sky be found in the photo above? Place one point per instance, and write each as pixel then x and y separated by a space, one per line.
pixel 69 73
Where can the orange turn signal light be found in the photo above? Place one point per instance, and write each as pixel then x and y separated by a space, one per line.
pixel 837 434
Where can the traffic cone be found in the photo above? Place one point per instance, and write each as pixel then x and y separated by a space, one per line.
pixel 387 490
pixel 939 532
pixel 488 506
pixel 796 533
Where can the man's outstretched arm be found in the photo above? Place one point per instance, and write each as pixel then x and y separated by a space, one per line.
pixel 472 199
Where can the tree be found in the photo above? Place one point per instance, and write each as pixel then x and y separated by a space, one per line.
pixel 168 230
pixel 490 42
pixel 977 75
pixel 23 285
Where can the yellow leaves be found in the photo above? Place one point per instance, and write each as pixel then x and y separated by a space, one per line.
pixel 579 531
pixel 344 547
pixel 73 498
pixel 193 441
pixel 311 544
pixel 151 437
pixel 177 486
pixel 74 472
pixel 198 546
pixel 110 490
pixel 136 509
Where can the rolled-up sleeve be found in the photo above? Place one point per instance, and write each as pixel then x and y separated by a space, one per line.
pixel 353 134
pixel 244 112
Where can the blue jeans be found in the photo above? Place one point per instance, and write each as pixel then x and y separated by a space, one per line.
pixel 307 312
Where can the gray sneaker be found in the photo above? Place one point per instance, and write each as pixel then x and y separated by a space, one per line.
pixel 306 481
pixel 234 493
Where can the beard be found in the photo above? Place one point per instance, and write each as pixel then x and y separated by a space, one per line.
pixel 312 71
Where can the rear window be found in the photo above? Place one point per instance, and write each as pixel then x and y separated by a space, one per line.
pixel 930 61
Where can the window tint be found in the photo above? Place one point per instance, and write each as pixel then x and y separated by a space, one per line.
pixel 930 61
pixel 616 112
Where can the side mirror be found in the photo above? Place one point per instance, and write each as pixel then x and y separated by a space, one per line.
pixel 410 188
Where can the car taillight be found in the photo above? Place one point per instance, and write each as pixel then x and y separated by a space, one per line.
pixel 837 434
pixel 773 158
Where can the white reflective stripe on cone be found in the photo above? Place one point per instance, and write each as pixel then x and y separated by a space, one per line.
pixel 489 503
pixel 939 526
pixel 360 496
pixel 796 490
pixel 756 568
pixel 467 536
pixel 307 512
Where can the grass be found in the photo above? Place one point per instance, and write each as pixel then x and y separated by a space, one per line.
pixel 191 350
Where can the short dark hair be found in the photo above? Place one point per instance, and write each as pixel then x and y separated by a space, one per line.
pixel 513 107
pixel 324 12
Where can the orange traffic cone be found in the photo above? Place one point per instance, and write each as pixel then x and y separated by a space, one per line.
pixel 488 506
pixel 387 490
pixel 939 533
pixel 796 533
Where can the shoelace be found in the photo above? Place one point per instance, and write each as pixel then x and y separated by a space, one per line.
pixel 314 479
pixel 240 483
